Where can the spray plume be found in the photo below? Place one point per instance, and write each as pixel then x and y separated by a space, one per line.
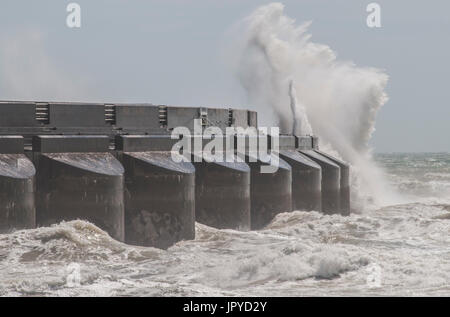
pixel 275 59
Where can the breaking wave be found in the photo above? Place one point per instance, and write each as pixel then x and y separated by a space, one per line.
pixel 301 86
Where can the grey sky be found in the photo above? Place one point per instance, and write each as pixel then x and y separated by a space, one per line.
pixel 168 52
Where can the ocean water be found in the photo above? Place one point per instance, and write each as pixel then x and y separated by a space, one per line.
pixel 401 249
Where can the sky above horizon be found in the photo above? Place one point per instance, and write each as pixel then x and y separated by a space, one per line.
pixel 169 52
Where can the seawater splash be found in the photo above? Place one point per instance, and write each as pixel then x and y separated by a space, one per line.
pixel 339 101
pixel 301 124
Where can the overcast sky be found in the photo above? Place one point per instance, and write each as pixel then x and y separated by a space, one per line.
pixel 169 52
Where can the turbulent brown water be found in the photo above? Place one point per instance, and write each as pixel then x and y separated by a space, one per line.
pixel 399 249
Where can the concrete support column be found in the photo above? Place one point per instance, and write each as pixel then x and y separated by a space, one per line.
pixel 78 179
pixel 344 183
pixel 17 177
pixel 160 193
pixel 330 182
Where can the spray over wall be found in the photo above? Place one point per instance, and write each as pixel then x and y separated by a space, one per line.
pixel 302 87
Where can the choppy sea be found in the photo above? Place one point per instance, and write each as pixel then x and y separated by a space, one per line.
pixel 401 249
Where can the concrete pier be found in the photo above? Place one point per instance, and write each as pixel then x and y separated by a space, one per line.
pixel 17 176
pixel 330 182
pixel 112 164
pixel 160 193
pixel 78 179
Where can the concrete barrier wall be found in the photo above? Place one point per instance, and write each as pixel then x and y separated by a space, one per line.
pixel 87 166
pixel 145 198
pixel 54 118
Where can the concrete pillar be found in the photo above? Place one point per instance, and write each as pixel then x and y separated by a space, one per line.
pixel 222 194
pixel 78 179
pixel 344 183
pixel 160 193
pixel 17 205
pixel 270 180
pixel 306 176
pixel 271 193
pixel 306 181
pixel 330 182
pixel 222 189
